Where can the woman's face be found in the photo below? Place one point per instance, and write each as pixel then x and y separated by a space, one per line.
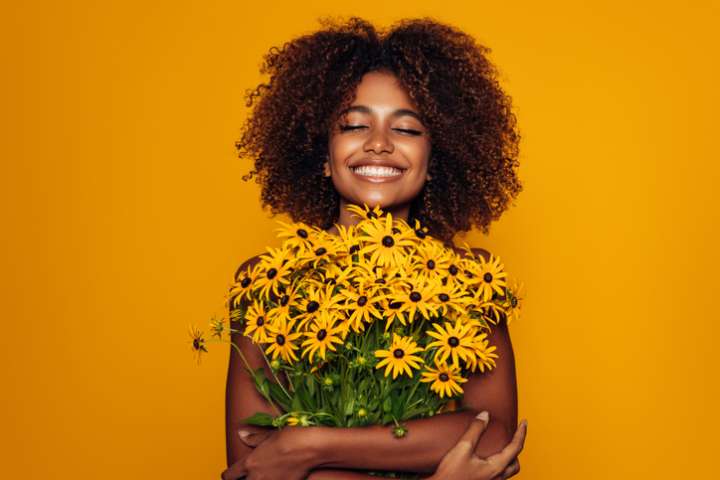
pixel 379 149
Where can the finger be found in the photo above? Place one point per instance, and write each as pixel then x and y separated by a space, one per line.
pixel 253 438
pixel 512 449
pixel 511 470
pixel 470 438
pixel 235 471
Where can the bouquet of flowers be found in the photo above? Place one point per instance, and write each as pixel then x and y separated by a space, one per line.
pixel 377 325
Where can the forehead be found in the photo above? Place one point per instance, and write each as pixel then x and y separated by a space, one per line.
pixel 382 90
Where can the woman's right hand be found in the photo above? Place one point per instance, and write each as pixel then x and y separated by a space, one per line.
pixel 461 463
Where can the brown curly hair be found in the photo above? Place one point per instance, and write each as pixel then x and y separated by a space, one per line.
pixel 474 146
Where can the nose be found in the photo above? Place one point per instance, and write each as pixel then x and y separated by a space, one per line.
pixel 379 142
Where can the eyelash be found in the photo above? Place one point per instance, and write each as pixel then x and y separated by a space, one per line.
pixel 345 128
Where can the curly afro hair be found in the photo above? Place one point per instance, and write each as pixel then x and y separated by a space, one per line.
pixel 446 73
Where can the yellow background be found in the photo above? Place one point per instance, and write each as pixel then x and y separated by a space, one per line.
pixel 124 218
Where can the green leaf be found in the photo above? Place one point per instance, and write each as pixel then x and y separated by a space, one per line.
pixel 349 407
pixel 260 419
pixel 296 403
pixel 387 405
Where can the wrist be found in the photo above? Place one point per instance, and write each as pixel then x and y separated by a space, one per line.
pixel 307 444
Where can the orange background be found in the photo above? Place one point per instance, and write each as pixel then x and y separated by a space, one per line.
pixel 124 218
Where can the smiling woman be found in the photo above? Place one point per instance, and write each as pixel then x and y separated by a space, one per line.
pixel 410 120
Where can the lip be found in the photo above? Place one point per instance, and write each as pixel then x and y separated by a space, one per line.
pixel 377 179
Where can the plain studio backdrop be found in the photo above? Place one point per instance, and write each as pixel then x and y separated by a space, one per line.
pixel 124 218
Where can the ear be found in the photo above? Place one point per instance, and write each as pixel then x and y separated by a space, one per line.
pixel 326 169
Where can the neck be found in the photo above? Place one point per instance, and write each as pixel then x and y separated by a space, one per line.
pixel 346 218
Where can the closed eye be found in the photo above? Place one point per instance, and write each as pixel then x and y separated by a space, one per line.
pixel 408 131
pixel 345 128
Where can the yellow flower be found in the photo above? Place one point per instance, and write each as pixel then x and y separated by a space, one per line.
pixel 513 301
pixel 360 304
pixel 289 298
pixel 491 277
pixel 399 358
pixel 324 248
pixel 297 236
pixel 316 300
pixel 257 321
pixel 384 242
pixel 484 356
pixel 430 260
pixel 365 212
pixel 446 379
pixel 455 340
pixel 323 333
pixel 301 420
pixel 417 296
pixel 276 269
pixel 282 342
pixel 452 301
pixel 244 284
pixel 197 342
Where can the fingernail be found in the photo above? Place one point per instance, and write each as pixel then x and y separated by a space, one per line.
pixel 484 416
pixel 243 434
pixel 524 423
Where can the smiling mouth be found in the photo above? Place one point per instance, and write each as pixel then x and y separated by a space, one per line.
pixel 377 172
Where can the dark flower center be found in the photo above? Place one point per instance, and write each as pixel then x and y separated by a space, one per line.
pixel 245 282
pixel 514 302
pixel 312 306
pixel 398 353
pixel 453 270
pixel 362 300
pixel 388 241
pixel 431 264
pixel 420 233
pixel 444 297
pixel 280 339
pixel 488 277
pixel 453 341
pixel 395 305
pixel 321 251
pixel 260 321
pixel 415 297
pixel 444 377
pixel 322 333
pixel 302 233
pixel 196 344
pixel 271 273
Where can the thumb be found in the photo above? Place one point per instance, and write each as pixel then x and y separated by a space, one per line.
pixel 473 433
pixel 252 438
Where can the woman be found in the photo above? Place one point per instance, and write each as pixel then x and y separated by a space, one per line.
pixel 412 120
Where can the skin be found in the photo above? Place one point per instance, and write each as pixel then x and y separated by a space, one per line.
pixel 382 125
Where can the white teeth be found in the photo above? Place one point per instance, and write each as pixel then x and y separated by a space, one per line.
pixel 371 171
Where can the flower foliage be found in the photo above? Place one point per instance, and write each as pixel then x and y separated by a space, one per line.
pixel 377 325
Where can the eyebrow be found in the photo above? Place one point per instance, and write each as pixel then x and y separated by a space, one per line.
pixel 397 113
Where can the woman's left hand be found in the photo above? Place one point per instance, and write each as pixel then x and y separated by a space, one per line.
pixel 276 454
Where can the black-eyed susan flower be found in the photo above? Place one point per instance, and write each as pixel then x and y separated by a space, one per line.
pixel 454 339
pixel 257 322
pixel 318 298
pixel 491 278
pixel 244 285
pixel 384 242
pixel 399 357
pixel 417 296
pixel 217 327
pixel 323 332
pixel 365 212
pixel 446 379
pixel 513 301
pixel 430 260
pixel 282 342
pixel 360 303
pixel 296 235
pixel 197 342
pixel 289 298
pixel 276 268
pixel 324 249
pixel 484 355
pixel 452 301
